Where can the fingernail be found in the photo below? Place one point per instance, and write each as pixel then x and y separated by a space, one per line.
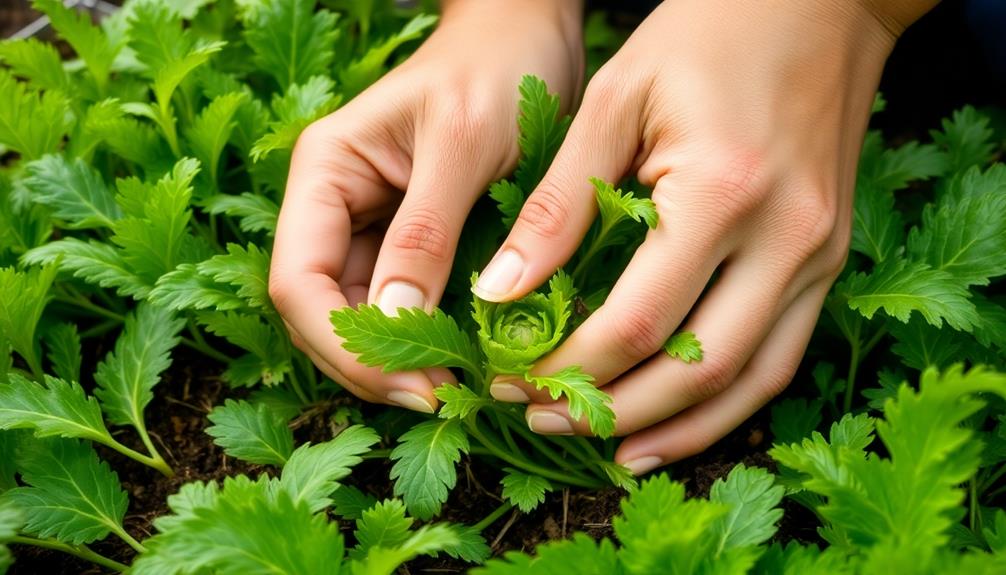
pixel 400 294
pixel 503 390
pixel 410 400
pixel 500 276
pixel 550 423
pixel 642 465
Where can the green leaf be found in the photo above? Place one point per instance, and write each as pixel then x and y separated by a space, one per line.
pixel 87 40
pixel 292 41
pixel 269 358
pixel 975 183
pixel 8 447
pixel 157 36
pixel 300 105
pixel 349 502
pixel 31 123
pixel 684 346
pixel 39 62
pixel 95 262
pixel 74 191
pixel 580 555
pixel 134 141
pixel 312 473
pixel 795 419
pixel 584 399
pixel 383 525
pixel 542 130
pixel 251 433
pixel 510 198
pixel 458 401
pixel 69 493
pixel 11 521
pixel 211 130
pixel 966 136
pixel 170 76
pixel 424 465
pixel 920 345
pixel 753 499
pixel 156 243
pixel 900 287
pixel 470 547
pixel 426 540
pixel 187 289
pixel 412 340
pixel 363 72
pixel 966 238
pixel 891 169
pixel 255 213
pixel 63 343
pixel 246 528
pixel 244 267
pixel 878 229
pixel 52 408
pixel 23 297
pixel 617 206
pixel 991 327
pixel 523 490
pixel 127 376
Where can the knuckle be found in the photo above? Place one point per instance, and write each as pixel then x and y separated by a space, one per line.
pixel 606 87
pixel 424 232
pixel 637 332
pixel 546 211
pixel 713 376
pixel 740 186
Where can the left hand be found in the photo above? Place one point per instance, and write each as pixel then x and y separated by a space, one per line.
pixel 746 118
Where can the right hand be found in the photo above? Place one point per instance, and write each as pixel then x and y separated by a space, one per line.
pixel 440 127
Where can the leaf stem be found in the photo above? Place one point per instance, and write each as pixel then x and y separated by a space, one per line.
pixel 81 551
pixel 492 517
pixel 157 462
pixel 850 380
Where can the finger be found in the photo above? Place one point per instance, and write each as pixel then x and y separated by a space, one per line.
pixel 310 252
pixel 450 171
pixel 359 268
pixel 768 373
pixel 650 299
pixel 731 321
pixel 602 141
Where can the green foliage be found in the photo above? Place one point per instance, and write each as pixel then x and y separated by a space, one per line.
pixel 525 491
pixel 250 432
pixel 312 471
pixel 24 297
pixel 31 123
pixel 685 346
pixel 52 408
pixel 11 520
pixel 424 465
pixel 291 40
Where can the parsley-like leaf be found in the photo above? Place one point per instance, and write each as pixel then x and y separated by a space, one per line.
pixel 88 41
pixel 312 472
pixel 31 123
pixel 244 267
pixel 292 41
pixel 685 346
pixel 95 262
pixel 458 401
pixel 37 61
pixel 542 130
pixel 254 213
pixel 753 499
pixel 424 465
pixel 584 398
pixel 52 408
pixel 211 130
pixel 23 297
pixel 383 525
pixel 63 344
pixel 966 238
pixel 251 432
pixel 523 490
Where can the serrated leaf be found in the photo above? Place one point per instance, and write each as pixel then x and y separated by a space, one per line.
pixel 251 433
pixel 523 490
pixel 975 183
pixel 580 555
pixel 349 502
pixel 542 129
pixel 23 297
pixel 424 460
pixel 269 360
pixel 52 408
pixel 187 289
pixel 753 499
pixel 157 36
pixel 244 267
pixel 412 340
pixel 37 61
pixel 95 262
pixel 584 399
pixel 967 138
pixel 966 238
pixel 891 169
pixel 457 401
pixel 69 493
pixel 510 199
pixel 900 287
pixel 426 540
pixel 878 230
pixel 8 447
pixel 211 130
pixel 685 346
pixel 127 376
pixel 300 105
pixel 292 41
pixel 383 525
pixel 795 419
pixel 170 76
pixel 470 547
pixel 134 141
pixel 245 529
pixel 255 213
pixel 87 40
pixel 63 344
pixel 312 472
pixel 359 74
pixel 31 123
pixel 73 191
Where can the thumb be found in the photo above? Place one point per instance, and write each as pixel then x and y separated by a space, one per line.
pixel 601 142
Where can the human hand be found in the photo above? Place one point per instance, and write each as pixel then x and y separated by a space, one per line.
pixel 440 127
pixel 747 119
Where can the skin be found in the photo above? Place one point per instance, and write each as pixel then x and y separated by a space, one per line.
pixel 746 118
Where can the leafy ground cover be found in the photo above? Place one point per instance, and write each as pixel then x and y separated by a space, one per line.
pixel 155 416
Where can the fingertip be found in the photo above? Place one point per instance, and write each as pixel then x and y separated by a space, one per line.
pixel 498 280
pixel 411 390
